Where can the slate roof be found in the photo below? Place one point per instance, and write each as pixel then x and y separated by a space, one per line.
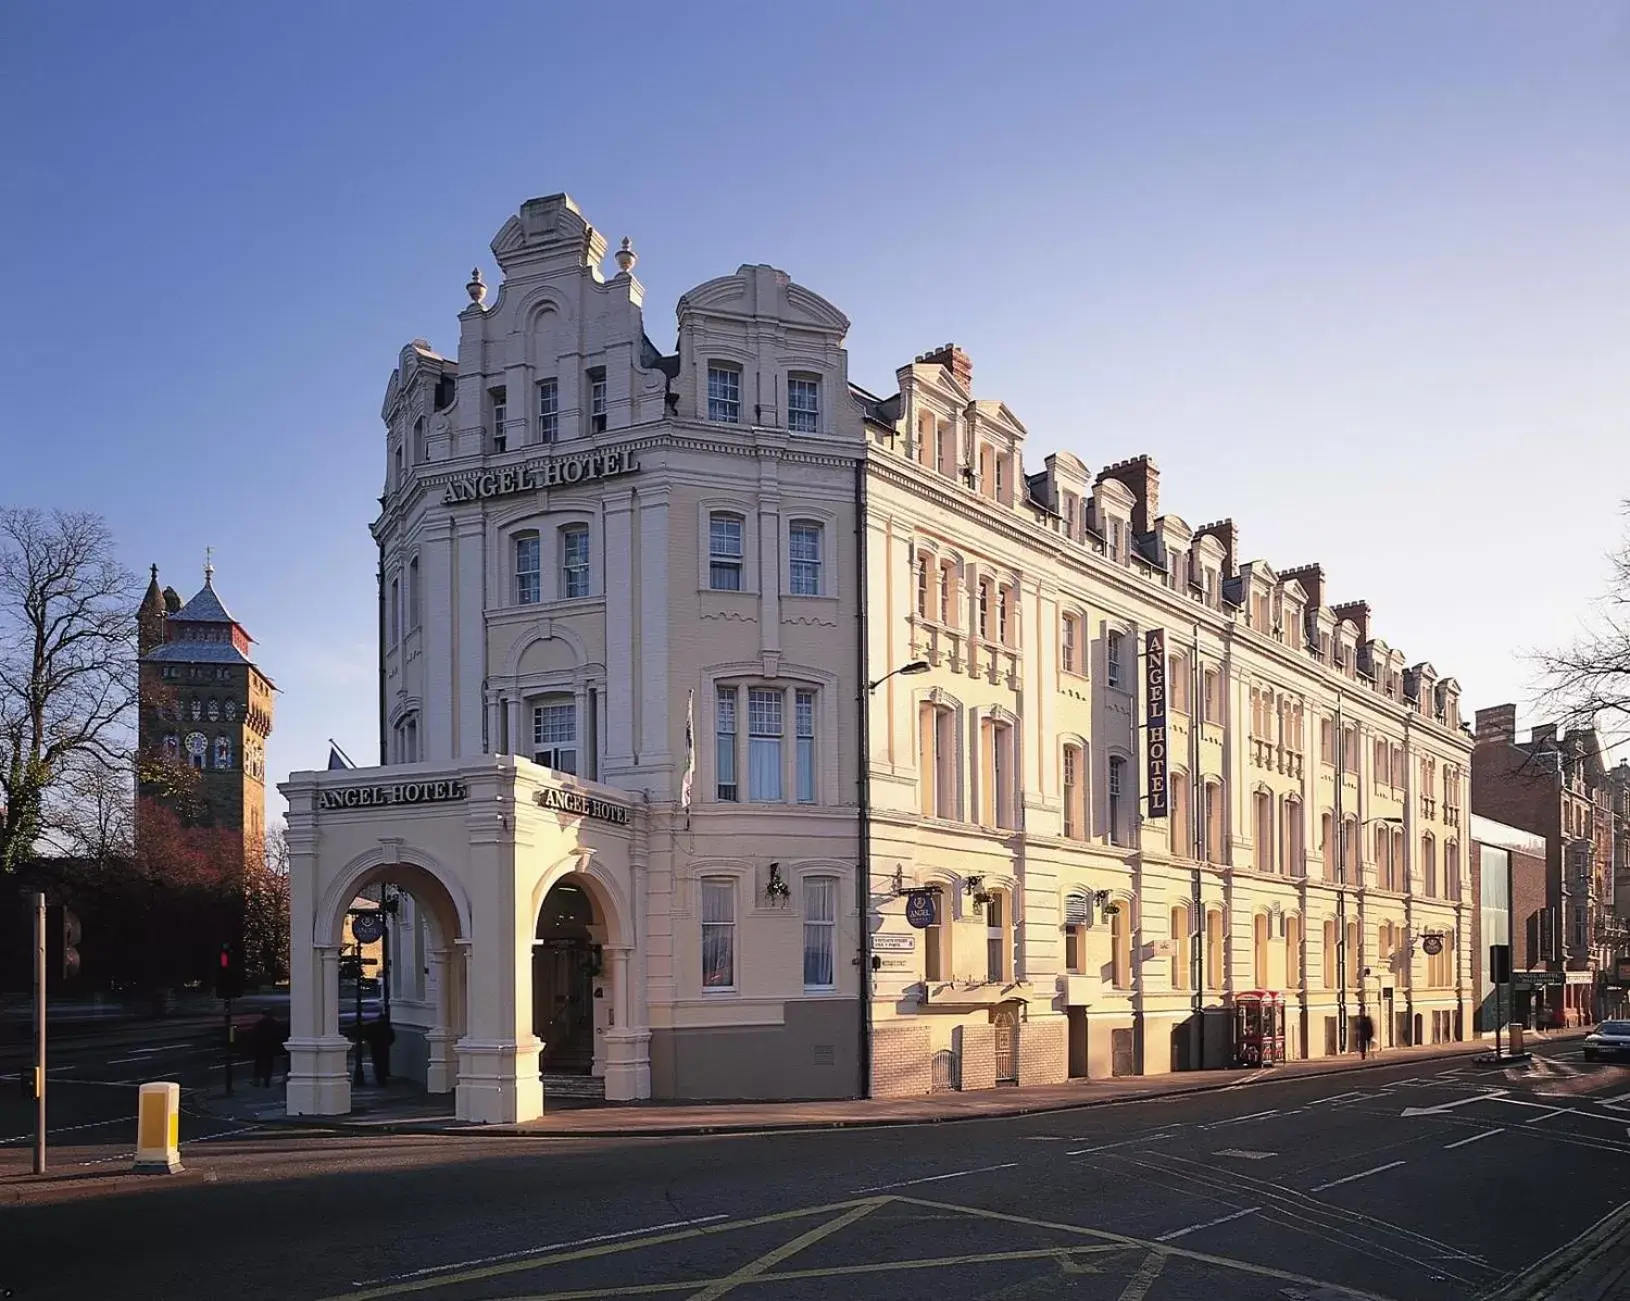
pixel 206 607
pixel 196 652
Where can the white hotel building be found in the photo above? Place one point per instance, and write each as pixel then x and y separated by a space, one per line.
pixel 641 615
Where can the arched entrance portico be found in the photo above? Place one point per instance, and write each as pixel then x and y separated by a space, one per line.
pixel 319 1075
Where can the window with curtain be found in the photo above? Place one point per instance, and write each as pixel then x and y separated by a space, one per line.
pixel 574 561
pixel 548 411
pixel 804 727
pixel 724 730
pixel 718 933
pixel 765 708
pixel 528 569
pixel 804 557
pixel 724 551
pixel 1182 945
pixel 820 932
pixel 1120 936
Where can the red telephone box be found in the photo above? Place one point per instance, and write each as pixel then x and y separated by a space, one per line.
pixel 1259 1028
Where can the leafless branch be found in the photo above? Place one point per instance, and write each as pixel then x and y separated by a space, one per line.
pixel 1587 684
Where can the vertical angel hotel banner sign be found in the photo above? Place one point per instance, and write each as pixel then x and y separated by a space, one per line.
pixel 1155 752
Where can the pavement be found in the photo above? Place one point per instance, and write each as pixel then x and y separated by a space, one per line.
pixel 1416 1179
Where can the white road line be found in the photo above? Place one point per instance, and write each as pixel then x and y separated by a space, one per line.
pixel 162 1048
pixel 540 1250
pixel 1235 1120
pixel 207 1138
pixel 1340 1097
pixel 121 1061
pixel 934 1179
pixel 1125 1142
pixel 1209 1224
pixel 1362 1174
pixel 69 1129
pixel 1487 1133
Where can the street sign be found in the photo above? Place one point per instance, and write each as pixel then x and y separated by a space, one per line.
pixel 1533 978
pixel 922 910
pixel 1432 944
pixel 894 944
pixel 367 927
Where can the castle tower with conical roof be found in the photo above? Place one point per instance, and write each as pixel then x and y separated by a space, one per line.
pixel 206 704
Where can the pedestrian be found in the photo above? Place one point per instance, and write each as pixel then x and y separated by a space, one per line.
pixel 380 1037
pixel 265 1038
pixel 1366 1035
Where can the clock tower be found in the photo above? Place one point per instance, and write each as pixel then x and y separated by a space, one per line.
pixel 206 704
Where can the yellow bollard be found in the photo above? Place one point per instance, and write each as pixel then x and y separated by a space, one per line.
pixel 1514 1042
pixel 158 1129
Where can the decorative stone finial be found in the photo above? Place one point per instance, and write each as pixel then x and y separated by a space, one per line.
pixel 155 573
pixel 477 288
pixel 626 257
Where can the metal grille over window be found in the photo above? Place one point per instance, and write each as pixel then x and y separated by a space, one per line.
pixel 528 571
pixel 724 394
pixel 718 934
pixel 804 551
pixel 574 551
pixel 724 553
pixel 820 925
pixel 803 405
pixel 764 731
pixel 554 737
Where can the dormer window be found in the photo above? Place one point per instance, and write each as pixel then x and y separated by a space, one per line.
pixel 803 404
pixel 1115 539
pixel 1071 529
pixel 724 393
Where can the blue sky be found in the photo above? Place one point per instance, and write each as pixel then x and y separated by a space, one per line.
pixel 1357 276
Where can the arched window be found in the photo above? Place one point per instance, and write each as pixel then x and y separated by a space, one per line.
pixel 1331 940
pixel 396 610
pixel 415 612
pixel 1263 802
pixel 1383 858
pixel 1216 850
pixel 947 594
pixel 1293 851
pixel 214 710
pixel 421 452
pixel 998 790
pixel 820 932
pixel 1070 644
pixel 1113 645
pixel 1181 820
pixel 1178 686
pixel 1120 933
pixel 1215 957
pixel 997 942
pixel 1349 839
pixel 230 710
pixel 1261 934
pixel 1429 866
pixel 197 748
pixel 1119 803
pixel 223 752
pixel 1451 870
pixel 1077 908
pixel 983 627
pixel 1075 787
pixel 1006 613
pixel 937 944
pixel 1293 952
pixel 922 589
pixel 1182 946
pixel 937 767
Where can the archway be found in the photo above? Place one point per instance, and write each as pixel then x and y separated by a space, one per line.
pixel 567 965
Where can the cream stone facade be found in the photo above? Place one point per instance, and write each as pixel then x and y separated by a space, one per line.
pixel 642 616
pixel 616 573
pixel 1077 935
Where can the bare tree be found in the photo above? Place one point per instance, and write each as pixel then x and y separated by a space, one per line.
pixel 1587 684
pixel 67 665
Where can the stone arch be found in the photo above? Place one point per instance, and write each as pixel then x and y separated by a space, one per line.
pixel 610 900
pixel 442 894
pixel 546 629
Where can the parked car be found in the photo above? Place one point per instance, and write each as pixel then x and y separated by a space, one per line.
pixel 1610 1039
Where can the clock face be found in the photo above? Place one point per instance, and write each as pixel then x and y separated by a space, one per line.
pixel 196 745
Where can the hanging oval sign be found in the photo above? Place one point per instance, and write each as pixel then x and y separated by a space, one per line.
pixel 367 927
pixel 922 910
pixel 1433 945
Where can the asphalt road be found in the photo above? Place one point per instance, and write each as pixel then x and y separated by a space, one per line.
pixel 1419 1182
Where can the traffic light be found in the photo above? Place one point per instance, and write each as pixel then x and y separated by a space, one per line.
pixel 229 973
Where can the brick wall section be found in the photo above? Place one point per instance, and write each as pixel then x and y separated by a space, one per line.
pixel 976 1047
pixel 1042 1053
pixel 901 1061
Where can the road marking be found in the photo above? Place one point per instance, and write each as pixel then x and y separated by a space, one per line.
pixel 69 1129
pixel 1246 1154
pixel 1144 1279
pixel 1440 1108
pixel 770 1259
pixel 162 1048
pixel 1487 1133
pixel 209 1138
pixel 1339 1097
pixel 1362 1174
pixel 1125 1142
pixel 1209 1224
pixel 532 1251
pixel 121 1061
pixel 1236 1120
pixel 931 1179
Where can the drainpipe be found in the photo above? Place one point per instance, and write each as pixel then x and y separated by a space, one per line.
pixel 384 756
pixel 863 885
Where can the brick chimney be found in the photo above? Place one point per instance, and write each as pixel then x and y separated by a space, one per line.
pixel 1539 733
pixel 953 359
pixel 1225 532
pixel 1358 612
pixel 1142 476
pixel 1311 577
pixel 1496 723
